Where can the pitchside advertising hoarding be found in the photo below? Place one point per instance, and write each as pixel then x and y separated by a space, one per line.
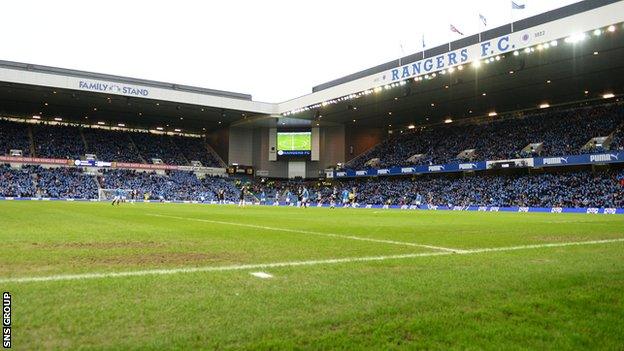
pixel 104 164
pixel 429 207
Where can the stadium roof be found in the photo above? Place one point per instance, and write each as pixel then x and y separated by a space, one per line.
pixel 90 107
pixel 561 75
pixel 119 79
pixel 578 71
pixel 519 25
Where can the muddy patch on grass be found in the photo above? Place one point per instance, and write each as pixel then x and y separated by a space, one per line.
pixel 160 258
pixel 542 261
pixel 129 261
pixel 100 245
pixel 561 238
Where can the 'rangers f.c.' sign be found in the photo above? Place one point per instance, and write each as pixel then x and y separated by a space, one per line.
pixel 485 49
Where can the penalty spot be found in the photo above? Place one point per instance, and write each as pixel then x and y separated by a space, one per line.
pixel 261 275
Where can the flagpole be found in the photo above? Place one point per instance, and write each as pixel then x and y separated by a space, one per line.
pixel 479 26
pixel 511 15
pixel 449 41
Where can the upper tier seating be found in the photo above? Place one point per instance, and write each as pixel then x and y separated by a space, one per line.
pixel 14 136
pixel 561 132
pixel 66 142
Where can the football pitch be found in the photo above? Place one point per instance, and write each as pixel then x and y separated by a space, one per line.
pixel 294 141
pixel 179 276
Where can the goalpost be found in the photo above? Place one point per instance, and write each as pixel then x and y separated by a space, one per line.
pixel 109 194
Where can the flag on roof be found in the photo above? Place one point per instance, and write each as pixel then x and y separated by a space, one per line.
pixel 423 41
pixel 453 29
pixel 483 19
pixel 516 6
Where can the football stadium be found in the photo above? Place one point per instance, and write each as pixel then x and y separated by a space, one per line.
pixel 466 196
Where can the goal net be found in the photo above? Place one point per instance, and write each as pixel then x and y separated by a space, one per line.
pixel 109 194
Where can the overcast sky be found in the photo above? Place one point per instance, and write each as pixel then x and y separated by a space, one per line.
pixel 274 50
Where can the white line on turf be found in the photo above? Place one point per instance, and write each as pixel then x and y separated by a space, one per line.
pixel 84 276
pixel 331 235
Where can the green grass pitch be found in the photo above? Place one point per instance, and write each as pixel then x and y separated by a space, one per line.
pixel 293 141
pixel 408 291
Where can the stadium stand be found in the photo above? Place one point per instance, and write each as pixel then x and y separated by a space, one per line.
pixel 578 189
pixel 14 136
pixel 573 189
pixel 172 186
pixel 195 149
pixel 63 182
pixel 54 141
pixel 36 181
pixel 438 145
pixel 562 132
pixel 66 142
pixel 110 145
pixel 215 183
pixel 161 147
pixel 16 182
pixel 617 142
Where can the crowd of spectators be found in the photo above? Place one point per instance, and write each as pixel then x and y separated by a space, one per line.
pixel 63 182
pixel 15 182
pixel 563 132
pixel 172 186
pixel 109 145
pixel 576 189
pixel 579 189
pixel 617 143
pixel 66 142
pixel 52 141
pixel 36 181
pixel 14 136
pixel 195 149
pixel 161 147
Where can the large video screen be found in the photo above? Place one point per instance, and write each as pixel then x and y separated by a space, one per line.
pixel 294 143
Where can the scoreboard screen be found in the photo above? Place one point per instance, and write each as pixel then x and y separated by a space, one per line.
pixel 294 143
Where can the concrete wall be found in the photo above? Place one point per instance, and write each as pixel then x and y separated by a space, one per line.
pixel 219 140
pixel 251 147
pixel 358 140
pixel 240 146
pixel 332 145
pixel 331 151
pixel 276 169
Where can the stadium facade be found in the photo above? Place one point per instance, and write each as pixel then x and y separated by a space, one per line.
pixel 561 60
pixel 527 117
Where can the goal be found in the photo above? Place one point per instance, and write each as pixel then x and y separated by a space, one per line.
pixel 109 194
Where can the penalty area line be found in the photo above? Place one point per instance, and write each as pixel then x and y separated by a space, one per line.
pixel 85 276
pixel 330 235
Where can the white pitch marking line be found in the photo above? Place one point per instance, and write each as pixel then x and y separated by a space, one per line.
pixel 291 264
pixel 261 275
pixel 331 235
